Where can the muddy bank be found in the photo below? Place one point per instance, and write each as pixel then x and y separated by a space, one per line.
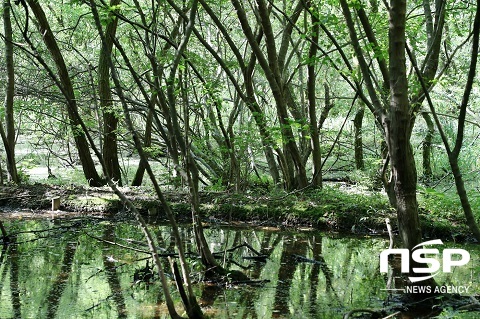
pixel 333 208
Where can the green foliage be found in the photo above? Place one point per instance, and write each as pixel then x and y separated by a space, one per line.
pixel 216 186
pixel 369 178
pixel 149 34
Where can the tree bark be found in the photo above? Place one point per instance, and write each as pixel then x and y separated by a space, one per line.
pixel 271 69
pixel 8 132
pixel 312 110
pixel 110 115
pixel 65 85
pixel 249 96
pixel 397 128
pixel 358 138
pixel 193 308
pixel 427 148
pixel 147 142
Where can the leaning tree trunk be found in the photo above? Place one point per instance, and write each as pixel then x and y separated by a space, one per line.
pixel 65 85
pixel 191 168
pixel 455 153
pixel 191 306
pixel 270 65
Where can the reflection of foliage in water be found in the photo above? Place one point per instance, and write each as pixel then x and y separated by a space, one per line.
pixel 62 269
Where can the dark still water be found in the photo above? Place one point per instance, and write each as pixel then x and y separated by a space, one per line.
pixel 69 268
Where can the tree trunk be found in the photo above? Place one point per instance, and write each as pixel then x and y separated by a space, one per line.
pixel 249 98
pixel 462 194
pixel 147 142
pixel 358 140
pixel 455 153
pixel 270 66
pixel 312 110
pixel 398 124
pixel 8 135
pixel 192 308
pixel 427 148
pixel 190 166
pixel 65 85
pixel 260 120
pixel 110 116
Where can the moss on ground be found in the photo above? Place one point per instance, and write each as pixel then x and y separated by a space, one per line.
pixel 337 208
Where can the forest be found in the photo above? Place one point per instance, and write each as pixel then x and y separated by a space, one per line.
pixel 363 113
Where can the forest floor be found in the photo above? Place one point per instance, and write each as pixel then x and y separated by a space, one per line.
pixel 339 208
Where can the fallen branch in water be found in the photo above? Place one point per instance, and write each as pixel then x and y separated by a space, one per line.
pixel 245 244
pixel 261 258
pixel 174 255
pixel 474 305
pixel 392 315
pixel 118 245
pixel 372 311
pixel 249 282
pixel 307 260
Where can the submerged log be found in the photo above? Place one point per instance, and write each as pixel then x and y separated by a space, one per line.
pixel 307 260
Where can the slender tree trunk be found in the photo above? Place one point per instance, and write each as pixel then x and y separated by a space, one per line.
pixel 312 110
pixel 110 115
pixel 358 138
pixel 427 148
pixel 147 142
pixel 261 121
pixel 462 194
pixel 270 65
pixel 434 31
pixel 191 167
pixel 8 134
pixel 249 98
pixel 65 85
pixel 192 308
pixel 455 153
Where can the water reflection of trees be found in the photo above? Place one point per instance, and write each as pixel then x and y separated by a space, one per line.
pixel 14 274
pixel 112 276
pixel 306 271
pixel 60 282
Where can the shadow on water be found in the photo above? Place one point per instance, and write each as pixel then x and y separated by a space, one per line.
pixel 95 268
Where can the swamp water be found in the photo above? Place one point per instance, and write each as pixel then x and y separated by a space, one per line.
pixel 65 268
